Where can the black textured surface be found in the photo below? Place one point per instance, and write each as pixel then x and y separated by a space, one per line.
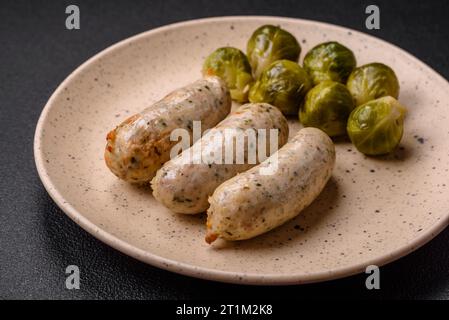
pixel 37 241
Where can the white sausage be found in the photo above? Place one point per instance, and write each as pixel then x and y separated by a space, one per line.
pixel 184 186
pixel 250 203
pixel 140 145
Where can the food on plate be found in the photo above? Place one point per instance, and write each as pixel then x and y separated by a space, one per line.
pixel 141 144
pixel 327 107
pixel 231 65
pixel 269 44
pixel 376 127
pixel 250 203
pixel 372 81
pixel 329 61
pixel 185 182
pixel 222 172
pixel 283 84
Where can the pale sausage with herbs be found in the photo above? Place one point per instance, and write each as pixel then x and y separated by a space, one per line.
pixel 184 183
pixel 250 204
pixel 140 145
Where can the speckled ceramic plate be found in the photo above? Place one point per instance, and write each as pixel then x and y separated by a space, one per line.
pixel 373 210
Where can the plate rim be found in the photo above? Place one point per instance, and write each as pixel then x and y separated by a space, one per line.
pixel 204 272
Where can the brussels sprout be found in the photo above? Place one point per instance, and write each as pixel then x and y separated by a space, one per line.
pixel 283 84
pixel 327 107
pixel 376 127
pixel 233 67
pixel 372 81
pixel 329 61
pixel 268 44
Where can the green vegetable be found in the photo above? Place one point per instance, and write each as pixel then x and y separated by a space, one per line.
pixel 376 127
pixel 269 44
pixel 283 84
pixel 327 107
pixel 329 61
pixel 373 81
pixel 233 67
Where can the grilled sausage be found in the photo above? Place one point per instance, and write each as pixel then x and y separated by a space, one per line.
pixel 250 203
pixel 184 186
pixel 140 145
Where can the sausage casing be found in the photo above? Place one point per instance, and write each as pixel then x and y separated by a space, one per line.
pixel 140 145
pixel 250 203
pixel 184 186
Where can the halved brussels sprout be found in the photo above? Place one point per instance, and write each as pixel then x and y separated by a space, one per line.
pixel 372 81
pixel 329 61
pixel 376 127
pixel 283 84
pixel 233 67
pixel 268 44
pixel 327 107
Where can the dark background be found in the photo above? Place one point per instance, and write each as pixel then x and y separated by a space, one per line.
pixel 37 241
